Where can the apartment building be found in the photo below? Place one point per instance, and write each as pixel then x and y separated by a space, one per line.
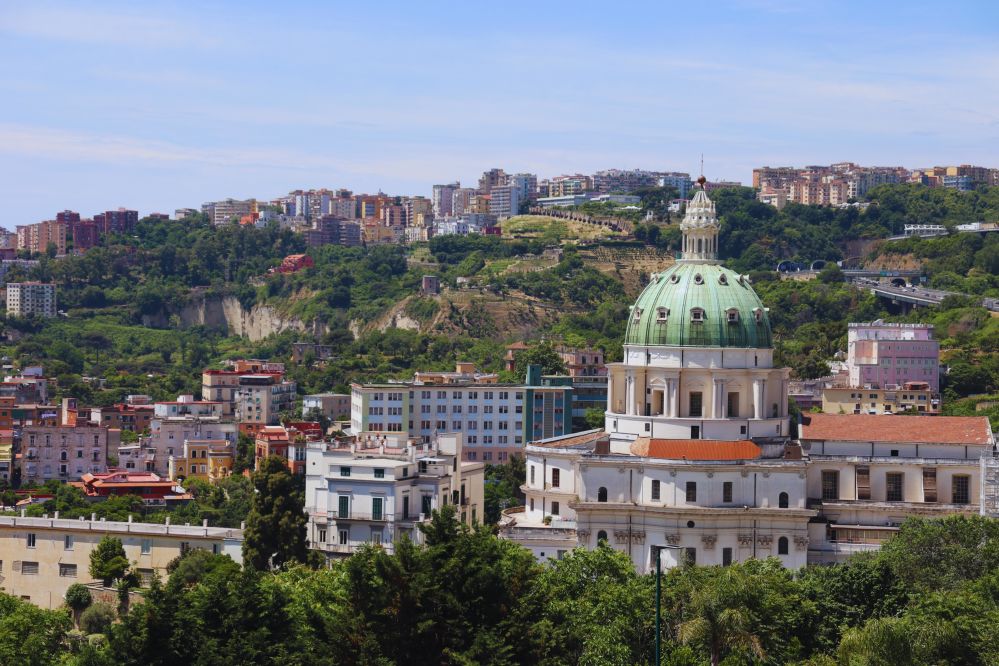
pixel 208 460
pixel 167 439
pixel 442 199
pixel 866 474
pixel 378 490
pixel 886 355
pixel 910 396
pixel 461 199
pixel 331 405
pixel 567 186
pixel 65 452
pixel 38 237
pixel 123 416
pixel 222 212
pixel 494 419
pixel 261 398
pixel 491 179
pixel 121 221
pixel 331 230
pixel 41 557
pixel 505 201
pixel 31 298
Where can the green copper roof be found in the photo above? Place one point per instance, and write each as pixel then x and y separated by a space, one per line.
pixel 732 315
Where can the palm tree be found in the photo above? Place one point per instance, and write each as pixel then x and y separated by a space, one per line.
pixel 719 619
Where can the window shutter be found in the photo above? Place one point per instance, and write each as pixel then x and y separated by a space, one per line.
pixel 863 482
pixel 929 484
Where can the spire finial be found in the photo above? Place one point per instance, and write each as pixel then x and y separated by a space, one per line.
pixel 702 180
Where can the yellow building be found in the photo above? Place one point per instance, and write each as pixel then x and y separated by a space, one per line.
pixel 914 396
pixel 205 459
pixel 6 454
pixel 41 557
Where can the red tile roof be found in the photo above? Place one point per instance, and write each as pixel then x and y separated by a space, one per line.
pixel 696 449
pixel 959 430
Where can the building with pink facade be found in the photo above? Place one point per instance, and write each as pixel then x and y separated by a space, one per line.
pixel 882 355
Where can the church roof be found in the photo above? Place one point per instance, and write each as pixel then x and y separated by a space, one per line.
pixel 957 430
pixel 730 314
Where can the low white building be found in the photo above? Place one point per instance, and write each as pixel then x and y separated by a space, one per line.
pixel 378 490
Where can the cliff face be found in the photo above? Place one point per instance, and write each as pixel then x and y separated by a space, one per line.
pixel 227 313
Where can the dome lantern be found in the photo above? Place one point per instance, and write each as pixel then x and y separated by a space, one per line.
pixel 700 228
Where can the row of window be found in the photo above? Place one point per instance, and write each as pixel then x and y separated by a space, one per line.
pixel 487 456
pixel 68 540
pixel 379 472
pixel 698 315
pixel 690 554
pixel 442 395
pixel 895 486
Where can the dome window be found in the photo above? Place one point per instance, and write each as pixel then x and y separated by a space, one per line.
pixel 698 279
pixel 758 315
pixel 674 278
pixel 697 315
pixel 722 279
pixel 733 316
pixel 638 315
pixel 662 315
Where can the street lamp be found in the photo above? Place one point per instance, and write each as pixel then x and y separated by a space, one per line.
pixel 658 549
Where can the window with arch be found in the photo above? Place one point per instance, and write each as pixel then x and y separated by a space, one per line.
pixel 602 494
pixel 733 316
pixel 782 501
pixel 601 536
pixel 637 314
pixel 758 315
pixel 63 456
pixel 782 546
pixel 662 315
pixel 697 315
pixel 722 279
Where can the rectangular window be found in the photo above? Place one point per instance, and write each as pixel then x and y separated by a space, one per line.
pixel 726 556
pixel 376 508
pixel 690 556
pixel 146 546
pixel 379 473
pixel 344 471
pixel 322 535
pixel 31 540
pixel 830 485
pixel 960 492
pixel 29 568
pixel 863 482
pixel 343 506
pixel 656 490
pixel 555 508
pixel 344 534
pixel 893 487
pixel 67 570
pixel 696 400
pixel 555 478
pixel 67 542
pixel 727 491
pixel 691 491
pixel 425 506
pixel 733 404
pixel 929 484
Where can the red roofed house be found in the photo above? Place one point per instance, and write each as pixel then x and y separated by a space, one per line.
pixel 152 488
pixel 867 473
pixel 295 262
pixel 286 443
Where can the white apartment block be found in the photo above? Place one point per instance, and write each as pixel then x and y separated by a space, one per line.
pixel 167 438
pixel 377 490
pixel 495 419
pixel 504 201
pixel 28 298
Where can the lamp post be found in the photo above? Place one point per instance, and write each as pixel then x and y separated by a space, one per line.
pixel 658 549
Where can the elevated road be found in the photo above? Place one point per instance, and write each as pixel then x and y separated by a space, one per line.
pixel 918 296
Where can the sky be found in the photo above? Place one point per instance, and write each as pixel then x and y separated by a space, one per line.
pixel 157 106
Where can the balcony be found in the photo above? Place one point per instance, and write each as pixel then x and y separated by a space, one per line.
pixel 358 515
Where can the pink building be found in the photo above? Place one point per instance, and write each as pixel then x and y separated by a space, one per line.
pixel 888 355
pixel 583 362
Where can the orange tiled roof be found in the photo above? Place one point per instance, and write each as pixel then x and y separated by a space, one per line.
pixel 570 441
pixel 959 430
pixel 696 449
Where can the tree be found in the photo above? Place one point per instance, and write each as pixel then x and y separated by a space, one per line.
pixel 276 527
pixel 30 636
pixel 543 354
pixel 97 619
pixel 720 619
pixel 108 561
pixel 594 417
pixel 78 599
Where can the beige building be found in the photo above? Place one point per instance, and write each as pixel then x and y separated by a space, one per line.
pixel 914 396
pixel 65 452
pixel 41 557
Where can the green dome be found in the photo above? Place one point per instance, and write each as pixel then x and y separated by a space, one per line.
pixel 730 312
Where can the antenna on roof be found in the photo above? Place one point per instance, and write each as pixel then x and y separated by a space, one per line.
pixel 702 164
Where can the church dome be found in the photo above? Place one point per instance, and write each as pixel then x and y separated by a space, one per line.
pixel 699 305
pixel 698 302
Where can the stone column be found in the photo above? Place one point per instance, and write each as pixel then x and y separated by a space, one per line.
pixel 610 390
pixel 759 395
pixel 718 396
pixel 669 408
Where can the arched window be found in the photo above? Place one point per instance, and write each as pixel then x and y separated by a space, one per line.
pixel 601 536
pixel 638 314
pixel 758 315
pixel 722 279
pixel 602 494
pixel 782 501
pixel 782 546
pixel 697 315
pixel 63 456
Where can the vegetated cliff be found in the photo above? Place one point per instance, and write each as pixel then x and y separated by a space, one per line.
pixel 226 313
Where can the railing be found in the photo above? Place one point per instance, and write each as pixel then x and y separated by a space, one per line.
pixel 358 515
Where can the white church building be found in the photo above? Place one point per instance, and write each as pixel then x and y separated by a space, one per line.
pixel 696 452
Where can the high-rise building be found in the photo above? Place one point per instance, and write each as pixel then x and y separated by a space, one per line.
pixel 121 221
pixel 886 355
pixel 526 184
pixel 443 199
pixel 504 201
pixel 28 298
pixel 40 236
pixel 461 200
pixel 491 179
pixel 222 212
pixel 566 186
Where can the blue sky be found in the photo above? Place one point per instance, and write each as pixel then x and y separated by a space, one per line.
pixel 157 106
